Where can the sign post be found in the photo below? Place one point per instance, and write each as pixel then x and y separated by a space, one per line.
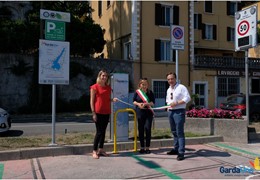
pixel 246 37
pixel 54 56
pixel 177 43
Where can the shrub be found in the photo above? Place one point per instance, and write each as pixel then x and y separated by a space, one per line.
pixel 214 113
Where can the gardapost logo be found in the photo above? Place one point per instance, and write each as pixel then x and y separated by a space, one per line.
pixel 242 170
pixel 236 171
pixel 255 164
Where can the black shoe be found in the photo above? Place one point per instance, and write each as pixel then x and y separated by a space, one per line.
pixel 147 151
pixel 173 152
pixel 180 157
pixel 142 151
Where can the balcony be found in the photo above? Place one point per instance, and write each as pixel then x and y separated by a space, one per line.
pixel 216 62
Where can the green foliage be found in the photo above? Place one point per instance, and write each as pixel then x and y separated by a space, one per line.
pixel 85 37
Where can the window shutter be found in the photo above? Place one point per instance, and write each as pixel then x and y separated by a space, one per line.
pixel 215 32
pixel 200 21
pixel 175 15
pixel 158 14
pixel 228 8
pixel 173 55
pixel 157 49
pixel 203 31
pixel 228 34
pixel 208 6
pixel 162 16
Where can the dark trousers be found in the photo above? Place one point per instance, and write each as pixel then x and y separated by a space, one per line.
pixel 101 126
pixel 145 126
pixel 177 120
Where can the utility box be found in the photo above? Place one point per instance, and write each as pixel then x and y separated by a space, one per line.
pixel 120 90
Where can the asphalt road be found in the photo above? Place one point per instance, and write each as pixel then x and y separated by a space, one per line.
pixel 45 128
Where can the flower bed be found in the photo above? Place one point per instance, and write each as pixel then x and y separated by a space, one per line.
pixel 213 113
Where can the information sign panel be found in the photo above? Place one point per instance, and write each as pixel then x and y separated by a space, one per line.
pixel 54 15
pixel 53 62
pixel 246 28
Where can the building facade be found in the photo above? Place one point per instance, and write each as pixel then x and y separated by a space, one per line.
pixel 140 31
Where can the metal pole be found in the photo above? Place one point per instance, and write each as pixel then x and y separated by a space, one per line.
pixel 53 114
pixel 247 87
pixel 177 66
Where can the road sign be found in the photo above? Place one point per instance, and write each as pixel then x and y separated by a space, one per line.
pixel 55 30
pixel 246 28
pixel 54 15
pixel 177 37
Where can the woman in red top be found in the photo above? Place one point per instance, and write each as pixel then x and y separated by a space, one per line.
pixel 100 99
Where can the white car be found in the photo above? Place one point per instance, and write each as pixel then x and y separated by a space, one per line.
pixel 5 120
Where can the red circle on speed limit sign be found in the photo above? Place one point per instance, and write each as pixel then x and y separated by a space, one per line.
pixel 243 28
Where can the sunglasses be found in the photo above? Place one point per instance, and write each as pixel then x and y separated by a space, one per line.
pixel 171 96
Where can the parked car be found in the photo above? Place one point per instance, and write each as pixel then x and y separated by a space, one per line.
pixel 5 120
pixel 237 102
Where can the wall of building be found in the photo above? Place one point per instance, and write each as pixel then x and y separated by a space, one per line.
pixel 15 90
pixel 116 21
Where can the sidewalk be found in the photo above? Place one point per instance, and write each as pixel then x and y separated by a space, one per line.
pixel 251 150
pixel 202 161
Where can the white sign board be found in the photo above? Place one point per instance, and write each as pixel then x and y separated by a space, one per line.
pixel 53 62
pixel 120 87
pixel 177 37
pixel 54 15
pixel 246 28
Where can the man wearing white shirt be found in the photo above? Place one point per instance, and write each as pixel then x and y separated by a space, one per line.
pixel 177 97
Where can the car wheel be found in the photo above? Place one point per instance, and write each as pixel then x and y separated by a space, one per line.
pixel 255 117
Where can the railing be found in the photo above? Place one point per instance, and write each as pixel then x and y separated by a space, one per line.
pixel 215 62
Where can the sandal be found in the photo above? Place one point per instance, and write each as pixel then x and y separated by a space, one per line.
pixel 95 155
pixel 103 153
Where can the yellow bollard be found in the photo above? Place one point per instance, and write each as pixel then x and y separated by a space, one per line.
pixel 135 128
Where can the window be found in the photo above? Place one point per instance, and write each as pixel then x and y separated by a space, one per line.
pixel 160 88
pixel 208 6
pixel 200 88
pixel 197 21
pixel 230 34
pixel 228 86
pixel 165 15
pixel 99 8
pixel 209 32
pixel 231 8
pixel 163 51
pixel 127 51
pixel 255 86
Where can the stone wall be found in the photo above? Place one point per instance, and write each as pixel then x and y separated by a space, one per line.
pixel 15 89
pixel 232 130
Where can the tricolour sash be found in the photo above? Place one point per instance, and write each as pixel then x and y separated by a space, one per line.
pixel 145 98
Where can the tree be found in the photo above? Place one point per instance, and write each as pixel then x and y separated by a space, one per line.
pixel 85 37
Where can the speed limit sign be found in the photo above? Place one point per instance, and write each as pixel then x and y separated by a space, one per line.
pixel 243 28
pixel 246 28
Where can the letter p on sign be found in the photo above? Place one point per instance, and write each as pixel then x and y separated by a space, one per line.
pixel 50 26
